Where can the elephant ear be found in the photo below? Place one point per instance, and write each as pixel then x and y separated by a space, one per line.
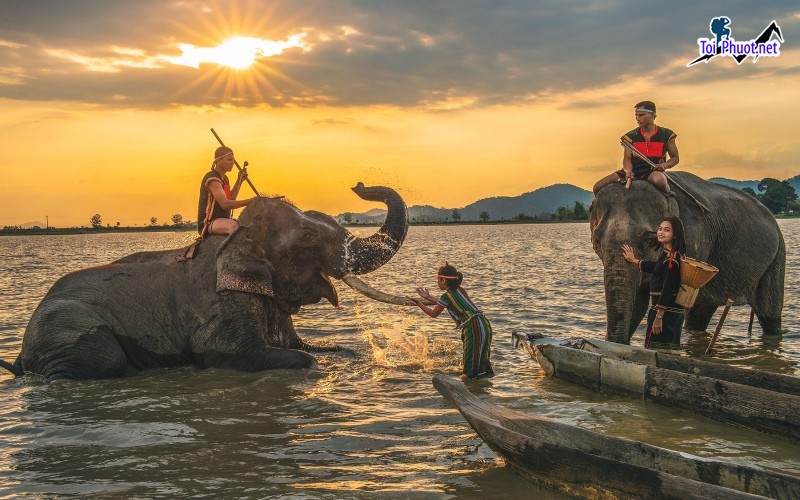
pixel 673 207
pixel 242 264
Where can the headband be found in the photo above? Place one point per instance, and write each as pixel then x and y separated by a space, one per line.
pixel 447 277
pixel 223 156
pixel 644 110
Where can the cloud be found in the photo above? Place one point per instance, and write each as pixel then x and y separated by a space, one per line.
pixel 755 161
pixel 438 55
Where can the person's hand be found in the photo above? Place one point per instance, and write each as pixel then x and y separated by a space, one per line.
pixel 660 167
pixel 414 300
pixel 657 325
pixel 423 292
pixel 242 175
pixel 627 252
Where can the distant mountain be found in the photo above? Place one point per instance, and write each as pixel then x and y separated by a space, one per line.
pixel 736 184
pixel 541 202
pixel 794 182
pixel 36 223
pixel 546 200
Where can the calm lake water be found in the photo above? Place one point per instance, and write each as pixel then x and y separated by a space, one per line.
pixel 357 425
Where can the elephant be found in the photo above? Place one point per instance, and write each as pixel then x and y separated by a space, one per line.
pixel 736 234
pixel 230 306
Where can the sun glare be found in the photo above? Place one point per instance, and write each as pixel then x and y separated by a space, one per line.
pixel 238 53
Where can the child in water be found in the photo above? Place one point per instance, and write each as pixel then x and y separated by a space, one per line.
pixel 476 332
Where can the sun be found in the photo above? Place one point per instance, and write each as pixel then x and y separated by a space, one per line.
pixel 239 52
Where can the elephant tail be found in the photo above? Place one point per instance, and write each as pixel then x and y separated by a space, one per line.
pixel 13 368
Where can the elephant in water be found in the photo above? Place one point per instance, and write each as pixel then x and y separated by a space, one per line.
pixel 230 306
pixel 738 235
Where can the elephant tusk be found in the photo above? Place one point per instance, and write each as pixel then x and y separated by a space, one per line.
pixel 358 285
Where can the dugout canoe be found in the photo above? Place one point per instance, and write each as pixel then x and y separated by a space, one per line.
pixel 722 393
pixel 587 464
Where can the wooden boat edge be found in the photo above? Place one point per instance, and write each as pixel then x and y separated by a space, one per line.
pixel 563 452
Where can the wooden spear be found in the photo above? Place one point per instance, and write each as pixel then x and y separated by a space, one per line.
pixel 722 317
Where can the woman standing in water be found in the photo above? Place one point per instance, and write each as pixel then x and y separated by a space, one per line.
pixel 476 332
pixel 665 319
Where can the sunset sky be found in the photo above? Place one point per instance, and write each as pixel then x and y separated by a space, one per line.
pixel 106 105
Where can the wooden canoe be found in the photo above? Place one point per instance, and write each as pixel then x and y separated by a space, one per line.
pixel 587 464
pixel 776 382
pixel 729 395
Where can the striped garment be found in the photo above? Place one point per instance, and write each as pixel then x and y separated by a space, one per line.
pixel 476 332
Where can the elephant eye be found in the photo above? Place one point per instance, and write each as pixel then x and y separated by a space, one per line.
pixel 648 239
pixel 307 237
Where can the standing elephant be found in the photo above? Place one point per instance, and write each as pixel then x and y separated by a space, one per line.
pixel 738 235
pixel 230 306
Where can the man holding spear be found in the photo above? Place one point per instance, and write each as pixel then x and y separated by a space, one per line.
pixel 217 198
pixel 645 151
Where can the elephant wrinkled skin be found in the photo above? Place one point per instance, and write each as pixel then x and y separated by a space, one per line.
pixel 738 235
pixel 230 306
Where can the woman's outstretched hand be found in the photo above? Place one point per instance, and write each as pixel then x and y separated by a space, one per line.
pixel 627 252
pixel 423 292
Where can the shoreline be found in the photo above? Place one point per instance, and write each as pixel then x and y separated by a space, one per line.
pixel 161 229
pixel 175 229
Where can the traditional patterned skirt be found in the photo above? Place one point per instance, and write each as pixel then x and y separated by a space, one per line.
pixel 476 336
pixel 671 326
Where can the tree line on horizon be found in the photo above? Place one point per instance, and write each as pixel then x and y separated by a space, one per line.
pixel 576 212
pixel 779 197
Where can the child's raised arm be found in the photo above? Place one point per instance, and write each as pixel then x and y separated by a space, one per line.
pixel 434 311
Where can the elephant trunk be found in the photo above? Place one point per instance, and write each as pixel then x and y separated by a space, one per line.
pixel 364 255
pixel 622 281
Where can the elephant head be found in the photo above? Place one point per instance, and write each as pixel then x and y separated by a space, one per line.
pixel 626 216
pixel 290 255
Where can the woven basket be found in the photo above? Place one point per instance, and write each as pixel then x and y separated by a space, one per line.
pixel 694 274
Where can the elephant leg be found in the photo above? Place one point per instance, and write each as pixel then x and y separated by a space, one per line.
pixel 256 359
pixel 640 307
pixel 768 300
pixel 94 354
pixel 65 341
pixel 699 316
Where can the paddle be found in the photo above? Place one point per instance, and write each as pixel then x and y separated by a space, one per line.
pixel 236 163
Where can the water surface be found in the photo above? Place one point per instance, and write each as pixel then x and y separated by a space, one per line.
pixel 359 424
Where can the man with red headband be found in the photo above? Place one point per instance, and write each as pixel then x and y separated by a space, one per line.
pixel 653 142
pixel 217 199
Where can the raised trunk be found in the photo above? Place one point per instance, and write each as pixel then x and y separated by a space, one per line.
pixel 621 284
pixel 364 255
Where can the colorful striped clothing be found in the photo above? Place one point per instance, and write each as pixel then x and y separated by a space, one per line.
pixel 476 332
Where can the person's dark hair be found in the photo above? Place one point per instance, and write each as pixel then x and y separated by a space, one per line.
pixel 678 234
pixel 646 105
pixel 453 277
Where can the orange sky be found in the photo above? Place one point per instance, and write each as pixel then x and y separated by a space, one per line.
pixel 129 144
